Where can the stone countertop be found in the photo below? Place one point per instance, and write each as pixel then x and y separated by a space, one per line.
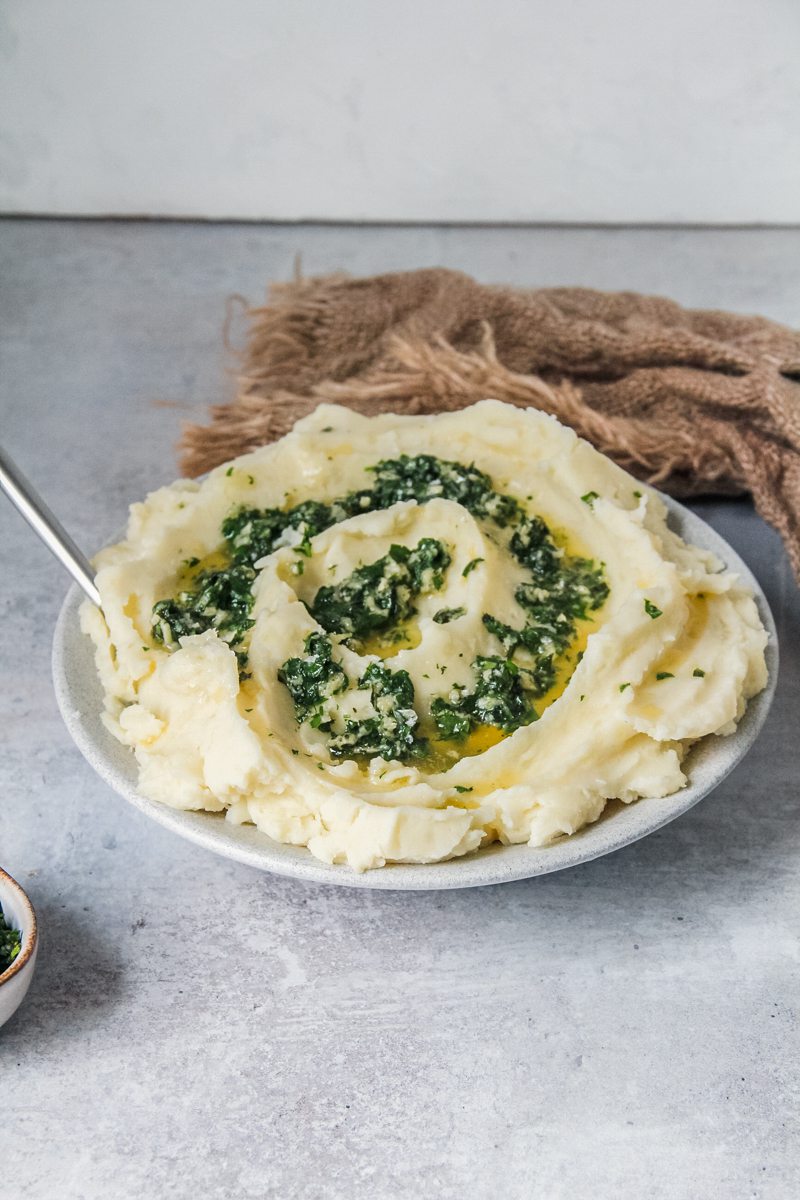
pixel 626 1029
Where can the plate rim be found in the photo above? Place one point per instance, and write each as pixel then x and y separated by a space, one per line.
pixel 490 865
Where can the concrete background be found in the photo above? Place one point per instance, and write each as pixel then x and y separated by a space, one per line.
pixel 627 1030
pixel 429 110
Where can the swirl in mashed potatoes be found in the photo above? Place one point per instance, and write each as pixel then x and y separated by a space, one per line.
pixel 397 639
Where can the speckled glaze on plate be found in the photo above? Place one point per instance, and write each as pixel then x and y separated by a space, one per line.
pixel 80 699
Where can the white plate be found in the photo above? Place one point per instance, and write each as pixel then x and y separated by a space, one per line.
pixel 80 700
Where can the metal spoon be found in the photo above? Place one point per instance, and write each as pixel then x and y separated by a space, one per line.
pixel 42 521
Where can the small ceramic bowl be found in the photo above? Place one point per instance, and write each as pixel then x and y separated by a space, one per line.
pixel 19 914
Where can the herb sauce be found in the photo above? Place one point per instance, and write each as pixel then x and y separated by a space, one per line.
pixel 376 600
pixel 314 681
pixel 382 594
pixel 10 943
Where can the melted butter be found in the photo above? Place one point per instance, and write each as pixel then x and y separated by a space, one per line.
pixel 572 546
pixel 248 694
pixel 151 666
pixel 482 738
pixel 445 754
pixel 132 608
pixel 386 645
pixel 442 755
pixel 187 576
pixel 566 664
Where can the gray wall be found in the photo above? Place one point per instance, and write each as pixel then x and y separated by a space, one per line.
pixel 451 110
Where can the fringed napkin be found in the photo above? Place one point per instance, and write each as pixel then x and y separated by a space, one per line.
pixel 695 402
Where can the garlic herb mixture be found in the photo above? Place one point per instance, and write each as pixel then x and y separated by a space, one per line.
pixel 379 597
pixel 10 943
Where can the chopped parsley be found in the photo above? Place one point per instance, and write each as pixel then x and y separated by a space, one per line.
pixel 590 497
pixel 498 699
pixel 253 533
pixel 540 644
pixel 315 680
pixel 561 591
pixel 10 943
pixel 470 567
pixel 445 615
pixel 381 595
pixel 424 477
pixel 452 717
pixel 459 787
pixel 622 686
pixel 221 599
pixel 664 675
pixel 218 600
pixel 697 673
pixel 651 609
pixel 391 733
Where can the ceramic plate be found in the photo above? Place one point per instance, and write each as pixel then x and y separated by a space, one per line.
pixel 80 700
pixel 18 913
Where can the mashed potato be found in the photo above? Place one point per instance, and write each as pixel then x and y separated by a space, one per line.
pixel 397 639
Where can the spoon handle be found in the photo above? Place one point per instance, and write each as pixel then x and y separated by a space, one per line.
pixel 42 521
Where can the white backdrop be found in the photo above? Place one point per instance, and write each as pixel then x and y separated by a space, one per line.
pixel 429 110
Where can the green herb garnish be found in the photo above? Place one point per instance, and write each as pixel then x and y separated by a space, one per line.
pixel 498 699
pixel 651 610
pixel 10 943
pixel 558 591
pixel 382 594
pixel 698 673
pixel 218 600
pixel 316 680
pixel 445 615
pixel 313 680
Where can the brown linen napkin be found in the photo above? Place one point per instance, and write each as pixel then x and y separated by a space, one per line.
pixel 695 402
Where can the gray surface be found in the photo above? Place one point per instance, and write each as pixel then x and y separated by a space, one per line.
pixel 626 1029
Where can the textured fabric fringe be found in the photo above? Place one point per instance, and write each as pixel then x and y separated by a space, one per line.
pixel 693 402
